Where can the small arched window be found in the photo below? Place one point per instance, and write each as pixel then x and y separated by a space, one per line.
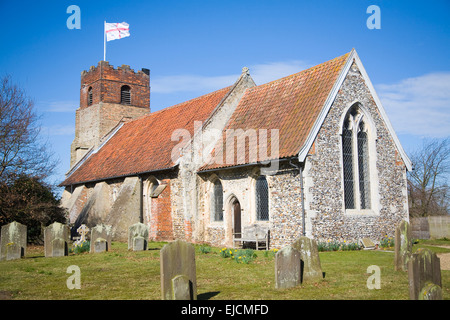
pixel 89 96
pixel 262 199
pixel 217 201
pixel 125 95
pixel 355 156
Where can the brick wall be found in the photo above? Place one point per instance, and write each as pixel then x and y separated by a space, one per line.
pixel 106 83
pixel 161 215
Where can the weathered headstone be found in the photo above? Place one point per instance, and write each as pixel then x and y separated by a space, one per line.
pixel 287 268
pixel 99 245
pixel 82 231
pixel 311 270
pixel 424 267
pixel 140 231
pixel 13 243
pixel 103 232
pixel 431 291
pixel 178 259
pixel 181 288
pixel 367 244
pixel 403 246
pixel 56 238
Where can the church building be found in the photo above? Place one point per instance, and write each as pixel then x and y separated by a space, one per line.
pixel 313 154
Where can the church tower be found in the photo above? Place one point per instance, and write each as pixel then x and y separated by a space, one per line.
pixel 108 97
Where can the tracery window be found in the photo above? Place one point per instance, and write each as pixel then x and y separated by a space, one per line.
pixel 355 156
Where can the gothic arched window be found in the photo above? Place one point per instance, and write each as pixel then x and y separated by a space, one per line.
pixel 125 95
pixel 355 156
pixel 262 198
pixel 217 201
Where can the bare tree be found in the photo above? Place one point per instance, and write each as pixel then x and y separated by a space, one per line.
pixel 21 150
pixel 428 182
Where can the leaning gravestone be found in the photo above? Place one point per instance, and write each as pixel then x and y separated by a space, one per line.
pixel 403 246
pixel 311 270
pixel 367 244
pixel 56 238
pixel 178 274
pixel 101 236
pixel 424 270
pixel 287 268
pixel 138 237
pixel 13 244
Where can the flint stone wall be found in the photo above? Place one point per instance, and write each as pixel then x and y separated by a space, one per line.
pixel 323 174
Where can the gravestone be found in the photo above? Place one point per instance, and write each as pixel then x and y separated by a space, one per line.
pixel 287 268
pixel 82 231
pixel 101 236
pixel 139 231
pixel 311 270
pixel 56 238
pixel 181 288
pixel 99 245
pixel 431 291
pixel 13 243
pixel 178 271
pixel 367 244
pixel 403 246
pixel 424 267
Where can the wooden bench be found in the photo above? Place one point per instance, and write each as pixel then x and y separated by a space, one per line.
pixel 255 234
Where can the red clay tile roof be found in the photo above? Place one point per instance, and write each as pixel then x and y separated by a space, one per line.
pixel 145 144
pixel 291 105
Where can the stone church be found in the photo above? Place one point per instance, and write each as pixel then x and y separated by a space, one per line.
pixel 313 154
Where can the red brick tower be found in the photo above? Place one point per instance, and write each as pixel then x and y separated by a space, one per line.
pixel 108 96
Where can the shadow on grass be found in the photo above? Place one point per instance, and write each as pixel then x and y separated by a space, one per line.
pixel 207 295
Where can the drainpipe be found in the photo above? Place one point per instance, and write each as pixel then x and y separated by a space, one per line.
pixel 141 200
pixel 300 169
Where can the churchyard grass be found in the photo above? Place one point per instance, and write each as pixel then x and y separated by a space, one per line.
pixel 123 274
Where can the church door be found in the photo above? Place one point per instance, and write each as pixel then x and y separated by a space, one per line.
pixel 237 218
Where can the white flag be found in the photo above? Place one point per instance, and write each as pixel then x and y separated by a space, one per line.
pixel 117 30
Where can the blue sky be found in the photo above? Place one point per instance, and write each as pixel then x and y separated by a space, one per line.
pixel 195 47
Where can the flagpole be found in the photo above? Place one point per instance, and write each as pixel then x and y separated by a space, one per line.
pixel 104 41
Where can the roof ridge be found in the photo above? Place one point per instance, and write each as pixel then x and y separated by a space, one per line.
pixel 302 71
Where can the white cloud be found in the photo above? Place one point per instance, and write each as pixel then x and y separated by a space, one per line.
pixel 419 105
pixel 261 73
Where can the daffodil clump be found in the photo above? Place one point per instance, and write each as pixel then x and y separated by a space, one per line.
pixel 387 242
pixel 81 246
pixel 239 255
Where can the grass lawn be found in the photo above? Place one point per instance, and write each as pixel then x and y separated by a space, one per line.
pixel 122 274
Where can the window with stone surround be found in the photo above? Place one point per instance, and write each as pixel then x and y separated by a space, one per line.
pixel 217 201
pixel 356 160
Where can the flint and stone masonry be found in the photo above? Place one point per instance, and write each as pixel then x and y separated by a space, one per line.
pixel 183 207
